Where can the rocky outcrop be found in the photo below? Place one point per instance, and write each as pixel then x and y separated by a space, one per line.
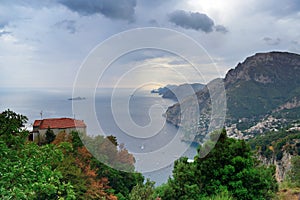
pixel 282 166
pixel 293 103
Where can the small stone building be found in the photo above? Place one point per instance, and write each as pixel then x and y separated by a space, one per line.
pixel 57 125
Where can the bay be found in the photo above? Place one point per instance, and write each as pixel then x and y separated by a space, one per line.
pixel 143 108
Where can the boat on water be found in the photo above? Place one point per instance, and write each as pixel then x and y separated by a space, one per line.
pixel 77 98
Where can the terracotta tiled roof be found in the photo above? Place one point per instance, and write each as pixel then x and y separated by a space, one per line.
pixel 37 123
pixel 59 123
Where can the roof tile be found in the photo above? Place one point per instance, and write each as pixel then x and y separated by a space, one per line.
pixel 59 123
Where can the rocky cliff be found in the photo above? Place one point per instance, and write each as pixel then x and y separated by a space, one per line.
pixel 277 148
pixel 282 166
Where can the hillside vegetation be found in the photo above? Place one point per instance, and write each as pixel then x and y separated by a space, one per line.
pixel 275 143
pixel 63 169
pixel 229 169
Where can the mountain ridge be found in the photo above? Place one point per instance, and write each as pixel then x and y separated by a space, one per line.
pixel 176 92
pixel 256 88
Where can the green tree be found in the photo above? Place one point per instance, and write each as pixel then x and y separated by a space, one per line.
pixel 76 168
pixel 143 191
pixel 28 171
pixel 164 190
pixel 11 128
pixel 76 141
pixel 122 182
pixel 50 136
pixel 72 173
pixel 11 122
pixel 230 167
pixel 294 173
pixel 183 184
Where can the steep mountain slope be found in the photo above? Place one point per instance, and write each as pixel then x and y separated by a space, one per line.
pixel 264 84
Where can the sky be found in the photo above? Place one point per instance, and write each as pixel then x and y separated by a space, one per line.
pixel 43 44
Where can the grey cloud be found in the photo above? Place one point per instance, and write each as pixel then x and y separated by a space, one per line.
pixel 69 25
pixel 192 20
pixel 178 62
pixel 281 8
pixel 295 46
pixel 157 3
pixel 295 42
pixel 153 22
pixel 2 24
pixel 271 41
pixel 146 54
pixel 221 29
pixel 5 18
pixel 122 9
pixel 27 3
pixel 4 33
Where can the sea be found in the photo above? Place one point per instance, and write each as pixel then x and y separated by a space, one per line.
pixel 134 117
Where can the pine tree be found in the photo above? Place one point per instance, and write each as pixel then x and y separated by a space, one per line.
pixel 229 167
pixel 50 136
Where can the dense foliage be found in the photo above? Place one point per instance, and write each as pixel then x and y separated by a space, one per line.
pixel 11 125
pixel 272 144
pixel 294 173
pixel 143 191
pixel 229 168
pixel 27 171
pixel 64 169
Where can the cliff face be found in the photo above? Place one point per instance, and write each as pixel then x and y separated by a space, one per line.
pixel 278 147
pixel 261 85
pixel 282 166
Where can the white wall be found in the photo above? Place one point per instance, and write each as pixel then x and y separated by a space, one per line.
pixel 56 131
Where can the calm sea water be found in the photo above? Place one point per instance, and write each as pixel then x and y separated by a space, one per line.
pixel 143 108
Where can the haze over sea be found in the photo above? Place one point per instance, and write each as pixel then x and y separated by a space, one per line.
pixel 54 103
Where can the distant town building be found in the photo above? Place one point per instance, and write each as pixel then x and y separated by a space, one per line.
pixel 57 125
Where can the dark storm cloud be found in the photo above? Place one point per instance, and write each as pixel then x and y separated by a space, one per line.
pixel 221 29
pixel 122 9
pixel 192 20
pixel 271 41
pixel 69 25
